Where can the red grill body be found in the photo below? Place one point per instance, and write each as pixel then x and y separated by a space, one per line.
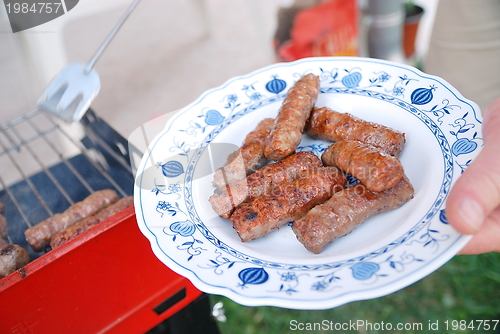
pixel 106 280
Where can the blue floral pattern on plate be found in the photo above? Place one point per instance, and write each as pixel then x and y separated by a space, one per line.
pixel 387 253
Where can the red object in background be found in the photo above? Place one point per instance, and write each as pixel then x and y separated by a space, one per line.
pixel 327 29
pixel 105 280
pixel 410 29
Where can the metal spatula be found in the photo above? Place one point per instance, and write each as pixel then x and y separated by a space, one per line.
pixel 71 91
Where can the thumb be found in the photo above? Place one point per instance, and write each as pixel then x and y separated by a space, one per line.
pixel 476 193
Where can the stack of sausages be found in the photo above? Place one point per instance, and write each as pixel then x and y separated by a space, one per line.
pixel 62 227
pixel 79 217
pixel 301 188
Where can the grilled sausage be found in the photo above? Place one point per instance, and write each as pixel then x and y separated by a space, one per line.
pixel 86 224
pixel 292 116
pixel 346 210
pixel 39 235
pixel 247 159
pixel 375 169
pixel 263 181
pixel 72 231
pixel 252 220
pixel 332 126
pixel 12 257
pixel 4 228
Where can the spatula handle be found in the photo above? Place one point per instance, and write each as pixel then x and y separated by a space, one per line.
pixel 112 34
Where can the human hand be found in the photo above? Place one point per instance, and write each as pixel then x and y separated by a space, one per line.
pixel 473 205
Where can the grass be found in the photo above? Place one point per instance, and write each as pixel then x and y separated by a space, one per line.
pixel 465 289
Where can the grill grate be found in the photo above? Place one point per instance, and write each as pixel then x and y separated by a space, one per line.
pixel 46 166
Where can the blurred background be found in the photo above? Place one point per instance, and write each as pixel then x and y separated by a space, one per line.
pixel 167 54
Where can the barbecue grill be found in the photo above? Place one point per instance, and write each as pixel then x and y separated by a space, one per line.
pixel 105 280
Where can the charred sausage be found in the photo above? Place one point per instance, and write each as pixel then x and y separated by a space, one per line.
pixel 372 167
pixel 332 126
pixel 72 231
pixel 346 210
pixel 247 159
pixel 86 224
pixel 263 181
pixel 12 257
pixel 292 116
pixel 39 235
pixel 252 220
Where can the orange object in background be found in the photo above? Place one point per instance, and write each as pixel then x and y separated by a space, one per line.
pixel 327 29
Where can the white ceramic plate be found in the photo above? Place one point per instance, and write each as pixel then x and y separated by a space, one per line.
pixel 385 254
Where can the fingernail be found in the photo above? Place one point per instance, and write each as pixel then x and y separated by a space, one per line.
pixel 472 213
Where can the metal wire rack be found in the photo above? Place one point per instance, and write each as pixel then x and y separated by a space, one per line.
pixel 47 165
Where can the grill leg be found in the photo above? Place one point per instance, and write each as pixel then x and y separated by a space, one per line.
pixel 196 318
